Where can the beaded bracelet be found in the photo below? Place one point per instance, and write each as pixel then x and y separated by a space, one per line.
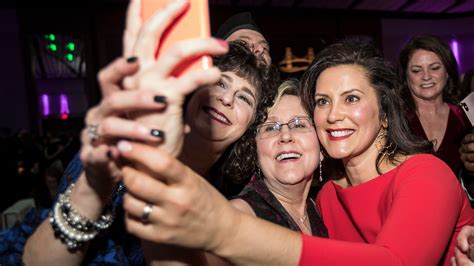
pixel 79 222
pixel 72 228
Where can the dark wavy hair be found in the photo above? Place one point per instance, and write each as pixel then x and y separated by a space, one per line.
pixel 243 162
pixel 383 79
pixel 433 44
pixel 243 63
pixel 228 174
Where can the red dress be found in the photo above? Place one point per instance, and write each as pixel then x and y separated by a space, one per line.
pixel 410 215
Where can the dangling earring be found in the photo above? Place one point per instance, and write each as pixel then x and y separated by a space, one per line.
pixel 381 145
pixel 320 170
pixel 380 140
pixel 259 173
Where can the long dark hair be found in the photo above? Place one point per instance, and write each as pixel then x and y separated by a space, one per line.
pixel 383 79
pixel 433 44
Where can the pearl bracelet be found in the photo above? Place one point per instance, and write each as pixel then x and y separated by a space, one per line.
pixel 72 228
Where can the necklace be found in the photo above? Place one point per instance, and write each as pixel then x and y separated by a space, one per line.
pixel 303 219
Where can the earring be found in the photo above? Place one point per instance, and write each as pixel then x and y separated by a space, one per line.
pixel 380 140
pixel 320 170
pixel 381 145
pixel 259 173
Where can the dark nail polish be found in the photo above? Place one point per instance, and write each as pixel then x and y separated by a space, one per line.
pixel 109 154
pixel 132 59
pixel 159 99
pixel 157 133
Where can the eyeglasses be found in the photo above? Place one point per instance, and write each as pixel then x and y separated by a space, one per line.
pixel 299 124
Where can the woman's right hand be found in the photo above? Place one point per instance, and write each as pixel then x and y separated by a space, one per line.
pixel 106 123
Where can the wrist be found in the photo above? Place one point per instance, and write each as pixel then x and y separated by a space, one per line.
pixel 226 240
pixel 88 200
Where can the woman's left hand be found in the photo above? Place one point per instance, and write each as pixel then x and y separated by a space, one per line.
pixel 183 204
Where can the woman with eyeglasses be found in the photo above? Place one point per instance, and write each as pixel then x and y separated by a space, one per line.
pixel 286 157
pixel 389 202
pixel 142 99
pixel 283 151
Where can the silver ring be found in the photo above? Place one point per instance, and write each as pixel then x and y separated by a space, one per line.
pixel 146 213
pixel 93 132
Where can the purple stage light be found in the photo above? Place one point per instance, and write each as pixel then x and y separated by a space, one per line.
pixel 64 104
pixel 455 48
pixel 45 102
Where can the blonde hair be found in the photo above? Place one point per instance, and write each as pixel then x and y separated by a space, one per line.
pixel 288 87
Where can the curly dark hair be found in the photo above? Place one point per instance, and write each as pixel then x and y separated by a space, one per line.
pixel 229 172
pixel 243 162
pixel 383 79
pixel 433 44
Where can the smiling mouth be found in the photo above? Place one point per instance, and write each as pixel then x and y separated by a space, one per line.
pixel 288 156
pixel 216 115
pixel 427 86
pixel 340 134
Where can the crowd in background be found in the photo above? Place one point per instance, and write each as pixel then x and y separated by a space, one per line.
pixel 32 165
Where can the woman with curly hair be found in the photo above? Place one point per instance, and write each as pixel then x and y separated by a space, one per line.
pixel 379 208
pixel 285 160
pixel 141 96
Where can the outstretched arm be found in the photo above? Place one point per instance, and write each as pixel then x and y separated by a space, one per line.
pixel 188 211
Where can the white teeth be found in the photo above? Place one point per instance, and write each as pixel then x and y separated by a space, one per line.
pixel 288 155
pixel 218 116
pixel 341 133
pixel 427 85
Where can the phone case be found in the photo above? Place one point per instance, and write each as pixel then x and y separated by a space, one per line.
pixel 467 104
pixel 193 23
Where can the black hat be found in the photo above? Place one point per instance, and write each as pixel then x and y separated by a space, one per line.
pixel 236 22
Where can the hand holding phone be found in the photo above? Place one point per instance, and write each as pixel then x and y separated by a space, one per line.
pixel 193 23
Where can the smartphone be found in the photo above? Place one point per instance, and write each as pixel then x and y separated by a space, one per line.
pixel 193 23
pixel 467 104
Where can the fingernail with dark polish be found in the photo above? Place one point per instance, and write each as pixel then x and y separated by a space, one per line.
pixel 132 59
pixel 159 99
pixel 109 154
pixel 157 133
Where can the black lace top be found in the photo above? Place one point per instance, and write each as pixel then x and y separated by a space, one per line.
pixel 266 206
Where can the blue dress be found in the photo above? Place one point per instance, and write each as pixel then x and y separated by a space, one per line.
pixel 113 246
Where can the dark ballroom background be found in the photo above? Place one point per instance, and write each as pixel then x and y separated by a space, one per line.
pixel 35 77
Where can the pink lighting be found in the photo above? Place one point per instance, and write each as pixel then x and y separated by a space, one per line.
pixel 45 102
pixel 64 104
pixel 455 49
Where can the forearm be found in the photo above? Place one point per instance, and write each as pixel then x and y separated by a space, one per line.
pixel 258 242
pixel 43 248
